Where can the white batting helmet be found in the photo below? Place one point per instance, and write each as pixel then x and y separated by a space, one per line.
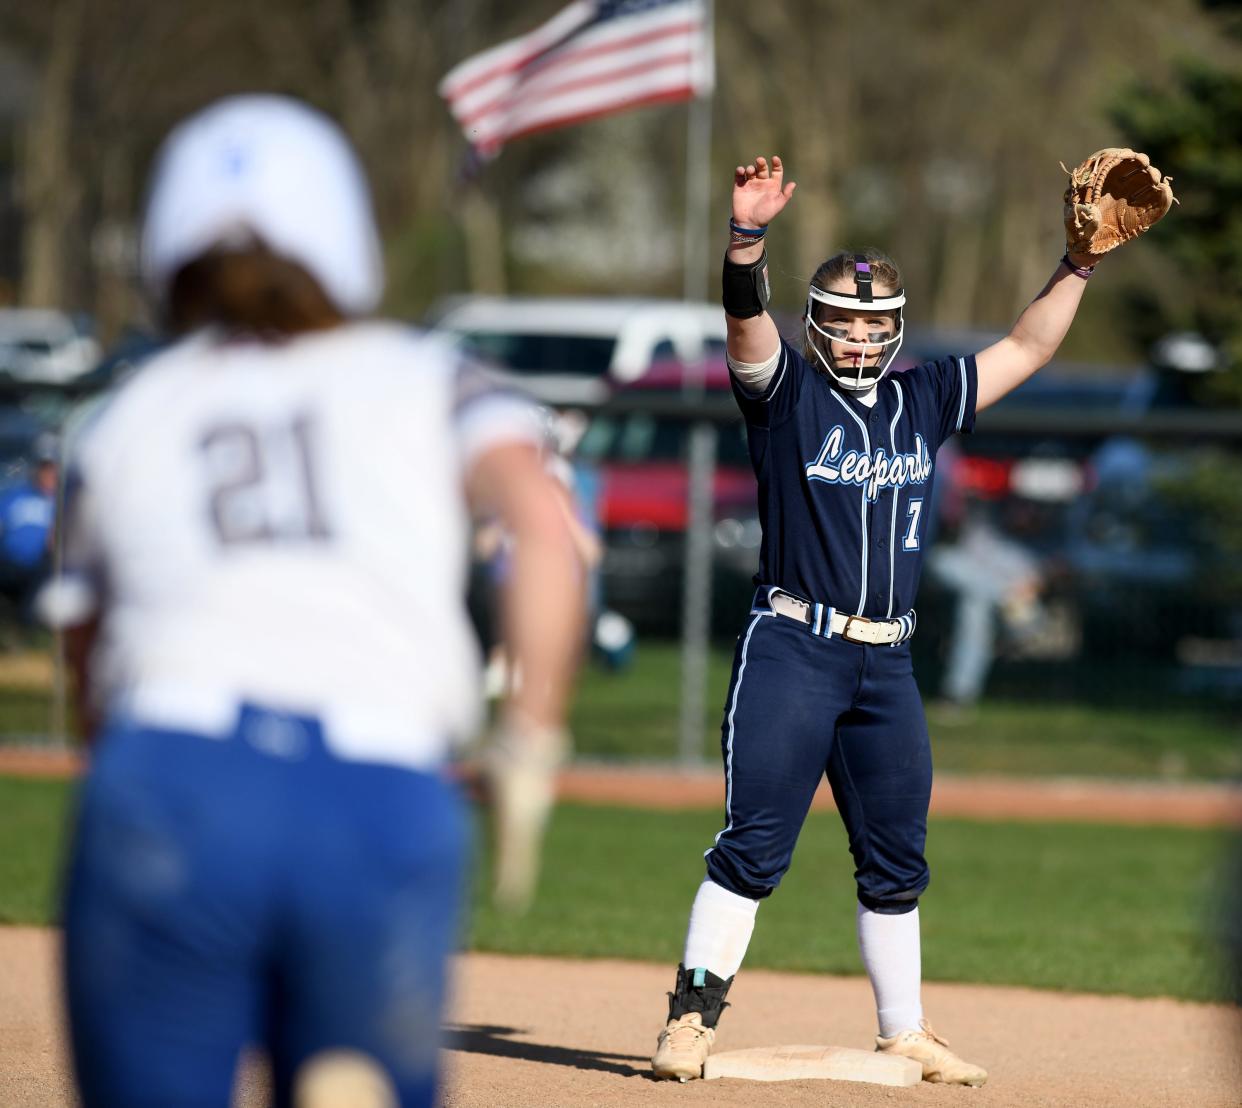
pixel 271 168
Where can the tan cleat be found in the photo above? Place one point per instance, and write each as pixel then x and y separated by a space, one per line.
pixel 939 1063
pixel 683 1047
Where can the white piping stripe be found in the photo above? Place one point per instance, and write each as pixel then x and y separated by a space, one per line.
pixel 780 376
pixel 961 411
pixel 892 534
pixel 862 596
pixel 732 709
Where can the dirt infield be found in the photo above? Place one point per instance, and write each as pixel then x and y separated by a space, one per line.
pixel 542 1032
pixel 1086 800
pixel 534 1032
pixel 1083 800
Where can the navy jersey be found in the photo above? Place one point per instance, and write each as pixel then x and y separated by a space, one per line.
pixel 843 488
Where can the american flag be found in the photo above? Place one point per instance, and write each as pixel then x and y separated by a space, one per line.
pixel 593 58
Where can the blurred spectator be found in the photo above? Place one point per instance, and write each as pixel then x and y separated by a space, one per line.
pixel 998 584
pixel 576 489
pixel 27 511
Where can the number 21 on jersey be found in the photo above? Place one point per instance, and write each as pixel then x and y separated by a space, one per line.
pixel 262 483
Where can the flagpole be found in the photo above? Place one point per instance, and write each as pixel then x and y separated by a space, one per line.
pixel 698 168
pixel 701 467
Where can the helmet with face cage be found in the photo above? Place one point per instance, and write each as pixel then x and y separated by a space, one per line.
pixel 820 339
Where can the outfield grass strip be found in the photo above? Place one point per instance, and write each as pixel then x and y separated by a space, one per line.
pixel 1077 906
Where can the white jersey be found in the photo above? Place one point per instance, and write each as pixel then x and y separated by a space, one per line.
pixel 285 524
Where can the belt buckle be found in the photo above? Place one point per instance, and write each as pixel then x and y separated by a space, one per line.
pixel 845 631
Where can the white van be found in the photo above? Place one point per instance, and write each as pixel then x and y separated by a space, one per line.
pixel 574 350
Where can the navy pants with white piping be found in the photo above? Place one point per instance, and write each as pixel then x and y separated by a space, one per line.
pixel 799 706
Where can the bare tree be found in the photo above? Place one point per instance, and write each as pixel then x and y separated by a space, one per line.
pixel 50 183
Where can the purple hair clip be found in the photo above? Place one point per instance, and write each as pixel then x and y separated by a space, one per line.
pixel 862 278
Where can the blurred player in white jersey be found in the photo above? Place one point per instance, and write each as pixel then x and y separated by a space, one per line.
pixel 266 548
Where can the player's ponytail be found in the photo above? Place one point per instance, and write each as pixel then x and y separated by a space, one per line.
pixel 248 288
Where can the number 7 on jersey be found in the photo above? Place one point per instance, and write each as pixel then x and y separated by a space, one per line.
pixel 911 540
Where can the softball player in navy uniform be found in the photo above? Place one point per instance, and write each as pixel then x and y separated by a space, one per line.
pixel 264 590
pixel 845 454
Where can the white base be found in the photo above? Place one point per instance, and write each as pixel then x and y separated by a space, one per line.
pixel 797 1063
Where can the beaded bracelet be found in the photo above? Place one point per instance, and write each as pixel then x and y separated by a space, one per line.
pixel 1083 271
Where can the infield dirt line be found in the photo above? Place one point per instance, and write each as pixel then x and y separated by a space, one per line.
pixel 990 797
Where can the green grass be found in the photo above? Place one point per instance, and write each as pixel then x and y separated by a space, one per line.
pixel 25 712
pixel 33 822
pixel 1093 908
pixel 634 714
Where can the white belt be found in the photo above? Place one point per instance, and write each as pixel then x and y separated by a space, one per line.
pixel 214 713
pixel 829 622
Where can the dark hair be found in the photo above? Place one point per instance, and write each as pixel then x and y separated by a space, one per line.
pixel 249 288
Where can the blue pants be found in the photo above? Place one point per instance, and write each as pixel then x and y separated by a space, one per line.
pixel 255 890
pixel 799 706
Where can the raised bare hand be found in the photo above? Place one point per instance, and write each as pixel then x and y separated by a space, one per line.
pixel 759 192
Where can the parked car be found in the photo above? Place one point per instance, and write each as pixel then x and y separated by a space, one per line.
pixel 1129 574
pixel 20 430
pixel 641 459
pixel 43 346
pixel 124 357
pixel 576 350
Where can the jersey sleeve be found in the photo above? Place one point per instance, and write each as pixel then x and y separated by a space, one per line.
pixel 954 386
pixel 486 414
pixel 779 399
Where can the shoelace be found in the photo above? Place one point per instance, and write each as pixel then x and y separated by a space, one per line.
pixel 685 1035
pixel 927 1029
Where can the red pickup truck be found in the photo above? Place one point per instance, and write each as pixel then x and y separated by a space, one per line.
pixel 640 459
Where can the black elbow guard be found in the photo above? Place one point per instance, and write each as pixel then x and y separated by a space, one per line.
pixel 746 291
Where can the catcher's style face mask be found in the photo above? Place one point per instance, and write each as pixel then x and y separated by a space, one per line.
pixel 858 377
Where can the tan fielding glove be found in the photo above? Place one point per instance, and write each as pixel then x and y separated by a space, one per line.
pixel 1114 196
pixel 520 760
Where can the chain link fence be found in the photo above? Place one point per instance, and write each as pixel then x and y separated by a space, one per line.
pixel 1079 556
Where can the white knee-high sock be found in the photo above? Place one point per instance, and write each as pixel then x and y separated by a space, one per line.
pixel 721 924
pixel 891 954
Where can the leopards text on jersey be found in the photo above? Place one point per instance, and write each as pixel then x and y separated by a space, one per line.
pixel 843 488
